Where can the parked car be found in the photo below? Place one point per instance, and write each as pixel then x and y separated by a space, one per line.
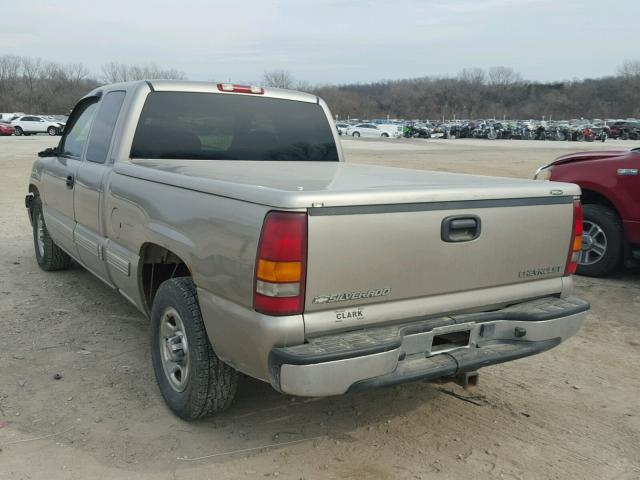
pixel 6 129
pixel 372 130
pixel 625 130
pixel 261 251
pixel 31 125
pixel 611 205
pixel 342 128
pixel 392 130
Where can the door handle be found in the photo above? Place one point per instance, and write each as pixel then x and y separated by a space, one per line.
pixel 460 228
pixel 70 181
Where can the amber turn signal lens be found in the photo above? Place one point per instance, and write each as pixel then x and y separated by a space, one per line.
pixel 279 272
pixel 577 243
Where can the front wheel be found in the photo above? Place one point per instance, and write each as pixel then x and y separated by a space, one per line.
pixel 49 256
pixel 193 381
pixel 385 135
pixel 602 242
pixel 355 134
pixel 17 131
pixel 52 131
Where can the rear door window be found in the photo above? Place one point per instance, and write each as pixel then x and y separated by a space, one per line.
pixel 213 126
pixel 103 127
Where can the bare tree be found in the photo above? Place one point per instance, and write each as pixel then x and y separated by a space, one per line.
pixel 31 70
pixel 114 72
pixel 76 72
pixel 475 76
pixel 303 86
pixel 278 79
pixel 629 69
pixel 503 76
pixel 9 67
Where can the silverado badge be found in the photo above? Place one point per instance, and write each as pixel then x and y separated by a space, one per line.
pixel 343 297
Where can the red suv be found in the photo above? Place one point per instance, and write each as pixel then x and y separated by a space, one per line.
pixel 610 185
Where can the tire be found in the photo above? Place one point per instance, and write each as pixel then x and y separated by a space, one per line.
pixel 385 135
pixel 52 131
pixel 602 228
pixel 201 384
pixel 49 256
pixel 17 131
pixel 355 134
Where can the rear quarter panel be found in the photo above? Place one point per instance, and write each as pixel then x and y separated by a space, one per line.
pixel 602 176
pixel 216 237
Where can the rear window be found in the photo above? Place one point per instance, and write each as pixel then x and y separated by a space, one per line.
pixel 211 126
pixel 103 126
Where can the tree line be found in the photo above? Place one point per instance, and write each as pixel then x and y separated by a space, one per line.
pixel 497 93
pixel 32 85
pixel 36 86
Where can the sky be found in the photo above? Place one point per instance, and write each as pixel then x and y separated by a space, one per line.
pixel 329 41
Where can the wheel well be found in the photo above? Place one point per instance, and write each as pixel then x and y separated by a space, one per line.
pixel 590 197
pixel 158 264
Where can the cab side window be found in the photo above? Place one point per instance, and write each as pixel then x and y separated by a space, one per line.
pixel 103 127
pixel 75 138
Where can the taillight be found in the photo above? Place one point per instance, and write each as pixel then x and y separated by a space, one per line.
pixel 233 88
pixel 281 264
pixel 576 240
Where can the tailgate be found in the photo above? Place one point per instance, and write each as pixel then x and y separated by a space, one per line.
pixel 364 255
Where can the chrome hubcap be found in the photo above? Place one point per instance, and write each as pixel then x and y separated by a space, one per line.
pixel 594 243
pixel 40 234
pixel 174 349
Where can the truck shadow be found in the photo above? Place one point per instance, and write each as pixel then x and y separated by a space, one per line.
pixel 262 418
pixel 101 345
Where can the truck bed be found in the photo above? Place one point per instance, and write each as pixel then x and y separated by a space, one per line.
pixel 296 185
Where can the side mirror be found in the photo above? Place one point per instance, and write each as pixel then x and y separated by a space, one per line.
pixel 49 152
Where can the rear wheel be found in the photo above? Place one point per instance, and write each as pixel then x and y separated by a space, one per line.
pixel 385 135
pixel 602 241
pixel 17 131
pixel 192 379
pixel 356 134
pixel 48 255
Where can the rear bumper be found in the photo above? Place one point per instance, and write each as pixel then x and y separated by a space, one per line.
pixel 335 364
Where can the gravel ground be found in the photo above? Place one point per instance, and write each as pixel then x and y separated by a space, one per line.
pixel 571 413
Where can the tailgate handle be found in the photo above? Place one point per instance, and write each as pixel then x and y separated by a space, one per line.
pixel 460 228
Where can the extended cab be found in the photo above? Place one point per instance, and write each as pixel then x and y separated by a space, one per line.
pixel 611 197
pixel 227 215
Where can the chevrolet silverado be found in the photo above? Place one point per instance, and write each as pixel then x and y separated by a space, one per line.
pixel 227 215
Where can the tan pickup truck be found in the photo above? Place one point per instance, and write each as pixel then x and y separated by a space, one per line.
pixel 227 215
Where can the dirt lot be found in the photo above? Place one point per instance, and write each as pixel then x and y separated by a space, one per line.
pixel 571 413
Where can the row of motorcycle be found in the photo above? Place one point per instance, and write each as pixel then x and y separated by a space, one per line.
pixel 524 131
